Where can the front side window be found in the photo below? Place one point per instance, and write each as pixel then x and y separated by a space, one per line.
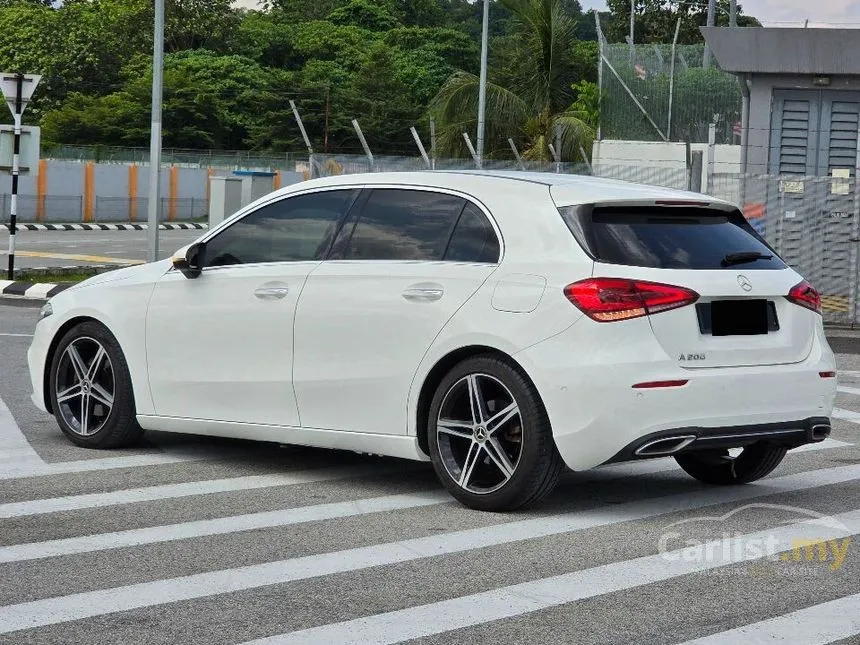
pixel 294 229
pixel 398 224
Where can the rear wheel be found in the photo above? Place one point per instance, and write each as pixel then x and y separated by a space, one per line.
pixel 720 467
pixel 490 439
pixel 90 389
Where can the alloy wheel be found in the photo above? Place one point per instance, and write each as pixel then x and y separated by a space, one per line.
pixel 479 431
pixel 85 386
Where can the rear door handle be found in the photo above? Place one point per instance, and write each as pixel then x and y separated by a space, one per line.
pixel 271 293
pixel 425 292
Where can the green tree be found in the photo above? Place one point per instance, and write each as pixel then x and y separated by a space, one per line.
pixel 367 14
pixel 528 100
pixel 655 20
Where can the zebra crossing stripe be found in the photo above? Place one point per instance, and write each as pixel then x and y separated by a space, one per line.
pixel 218 526
pixel 187 489
pixel 50 611
pixel 848 390
pixel 846 415
pixel 816 625
pixel 286 517
pixel 175 226
pixel 528 597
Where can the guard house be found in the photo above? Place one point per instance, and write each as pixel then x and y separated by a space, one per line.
pixel 801 96
pixel 799 148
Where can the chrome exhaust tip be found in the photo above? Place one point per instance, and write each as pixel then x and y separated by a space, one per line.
pixel 819 432
pixel 664 445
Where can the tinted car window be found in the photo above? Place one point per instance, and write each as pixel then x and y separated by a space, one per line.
pixel 474 239
pixel 290 230
pixel 397 224
pixel 672 238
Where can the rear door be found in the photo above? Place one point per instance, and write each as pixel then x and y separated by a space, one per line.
pixel 402 266
pixel 742 316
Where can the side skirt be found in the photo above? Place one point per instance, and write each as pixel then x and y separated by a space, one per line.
pixel 401 446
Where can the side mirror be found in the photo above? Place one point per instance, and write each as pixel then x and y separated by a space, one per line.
pixel 190 261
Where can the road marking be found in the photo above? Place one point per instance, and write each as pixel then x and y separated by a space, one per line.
pixel 270 519
pixel 846 415
pixel 15 447
pixel 187 489
pixel 848 390
pixel 18 335
pixel 816 625
pixel 102 259
pixel 528 597
pixel 170 455
pixel 218 526
pixel 50 611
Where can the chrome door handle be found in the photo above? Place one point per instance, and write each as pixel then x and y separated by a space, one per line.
pixel 271 293
pixel 423 293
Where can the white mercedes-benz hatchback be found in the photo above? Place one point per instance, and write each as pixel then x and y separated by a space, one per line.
pixel 502 325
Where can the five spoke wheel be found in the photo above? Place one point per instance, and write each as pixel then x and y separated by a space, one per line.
pixel 480 433
pixel 85 386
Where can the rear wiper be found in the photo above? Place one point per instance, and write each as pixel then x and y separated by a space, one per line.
pixel 743 257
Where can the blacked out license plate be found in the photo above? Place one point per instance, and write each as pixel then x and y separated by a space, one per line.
pixel 737 317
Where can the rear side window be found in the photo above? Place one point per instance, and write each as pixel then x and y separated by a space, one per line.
pixel 474 239
pixel 397 224
pixel 670 238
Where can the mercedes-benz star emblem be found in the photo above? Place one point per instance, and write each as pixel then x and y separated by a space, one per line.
pixel 746 285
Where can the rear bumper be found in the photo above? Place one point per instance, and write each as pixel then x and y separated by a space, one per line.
pixel 585 377
pixel 680 440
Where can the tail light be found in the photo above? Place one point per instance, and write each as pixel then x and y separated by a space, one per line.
pixel 805 295
pixel 611 299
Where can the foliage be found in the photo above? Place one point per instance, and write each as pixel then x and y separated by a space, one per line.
pixel 655 20
pixel 528 97
pixel 230 73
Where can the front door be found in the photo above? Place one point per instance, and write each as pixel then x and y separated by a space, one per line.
pixel 220 347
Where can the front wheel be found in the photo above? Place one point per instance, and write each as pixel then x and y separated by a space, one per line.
pixel 90 389
pixel 490 439
pixel 722 468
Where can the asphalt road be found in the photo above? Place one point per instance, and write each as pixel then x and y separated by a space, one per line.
pixel 86 248
pixel 188 540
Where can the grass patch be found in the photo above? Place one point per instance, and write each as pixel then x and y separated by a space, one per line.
pixel 59 276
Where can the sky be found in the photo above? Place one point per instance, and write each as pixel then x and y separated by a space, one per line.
pixel 777 13
pixel 823 12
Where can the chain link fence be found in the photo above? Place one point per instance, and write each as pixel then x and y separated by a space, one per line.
pixel 813 222
pixel 219 159
pixel 648 97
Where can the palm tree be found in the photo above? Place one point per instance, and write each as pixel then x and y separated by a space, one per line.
pixel 528 96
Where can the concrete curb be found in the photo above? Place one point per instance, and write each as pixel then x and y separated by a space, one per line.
pixel 30 290
pixel 181 226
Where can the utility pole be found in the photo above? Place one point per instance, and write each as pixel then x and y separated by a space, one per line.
pixel 632 30
pixel 733 13
pixel 482 88
pixel 327 109
pixel 17 89
pixel 154 201
pixel 712 14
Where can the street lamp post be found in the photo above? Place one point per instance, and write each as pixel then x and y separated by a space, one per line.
pixel 482 87
pixel 155 132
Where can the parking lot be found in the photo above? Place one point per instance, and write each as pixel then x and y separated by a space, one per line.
pixel 193 540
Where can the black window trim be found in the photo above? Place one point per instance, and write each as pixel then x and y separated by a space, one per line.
pixel 354 215
pixel 240 215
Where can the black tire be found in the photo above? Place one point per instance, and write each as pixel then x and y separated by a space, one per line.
pixel 538 463
pixel 118 427
pixel 718 468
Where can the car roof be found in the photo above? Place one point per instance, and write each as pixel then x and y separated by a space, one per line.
pixel 566 189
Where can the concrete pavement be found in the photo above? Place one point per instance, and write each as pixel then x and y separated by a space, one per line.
pixel 192 540
pixel 88 248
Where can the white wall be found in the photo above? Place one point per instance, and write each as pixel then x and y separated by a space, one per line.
pixel 662 163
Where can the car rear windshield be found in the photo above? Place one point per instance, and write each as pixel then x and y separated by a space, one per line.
pixel 670 237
